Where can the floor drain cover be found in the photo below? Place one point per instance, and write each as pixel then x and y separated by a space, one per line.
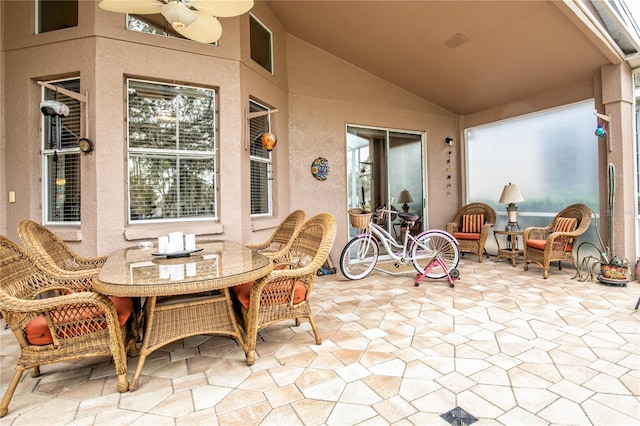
pixel 458 417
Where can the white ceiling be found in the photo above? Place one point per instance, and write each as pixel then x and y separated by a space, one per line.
pixel 515 49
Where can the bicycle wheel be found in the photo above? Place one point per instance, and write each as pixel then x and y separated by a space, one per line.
pixel 431 244
pixel 359 257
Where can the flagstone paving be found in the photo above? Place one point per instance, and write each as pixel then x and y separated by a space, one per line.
pixel 504 345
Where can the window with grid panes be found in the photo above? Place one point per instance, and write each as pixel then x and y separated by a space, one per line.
pixel 171 152
pixel 261 165
pixel 61 157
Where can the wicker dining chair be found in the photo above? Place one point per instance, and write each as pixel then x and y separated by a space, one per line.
pixel 284 293
pixel 50 250
pixel 57 318
pixel 281 239
pixel 54 255
pixel 555 242
pixel 471 226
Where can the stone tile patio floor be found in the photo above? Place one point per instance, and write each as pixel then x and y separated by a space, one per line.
pixel 505 345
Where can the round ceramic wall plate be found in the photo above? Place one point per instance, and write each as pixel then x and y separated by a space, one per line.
pixel 320 168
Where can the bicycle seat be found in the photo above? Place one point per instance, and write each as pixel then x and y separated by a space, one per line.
pixel 409 217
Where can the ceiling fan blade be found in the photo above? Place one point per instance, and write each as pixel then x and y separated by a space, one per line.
pixel 205 29
pixel 141 7
pixel 223 8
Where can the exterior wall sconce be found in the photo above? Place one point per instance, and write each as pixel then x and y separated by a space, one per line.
pixel 448 141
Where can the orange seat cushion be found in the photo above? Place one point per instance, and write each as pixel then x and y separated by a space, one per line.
pixel 466 236
pixel 38 332
pixel 537 244
pixel 542 244
pixel 243 292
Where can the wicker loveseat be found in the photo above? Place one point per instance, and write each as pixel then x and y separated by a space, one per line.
pixel 555 242
pixel 471 226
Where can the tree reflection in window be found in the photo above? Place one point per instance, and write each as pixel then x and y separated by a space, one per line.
pixel 171 140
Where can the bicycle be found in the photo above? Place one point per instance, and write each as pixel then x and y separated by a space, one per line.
pixel 433 253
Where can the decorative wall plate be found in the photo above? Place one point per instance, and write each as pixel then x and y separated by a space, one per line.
pixel 320 168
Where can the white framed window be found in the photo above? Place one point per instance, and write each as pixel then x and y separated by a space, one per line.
pixel 61 155
pixel 52 15
pixel 171 152
pixel 261 43
pixel 261 164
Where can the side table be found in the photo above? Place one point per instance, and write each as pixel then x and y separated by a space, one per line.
pixel 510 250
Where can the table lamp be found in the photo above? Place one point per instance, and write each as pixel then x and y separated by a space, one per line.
pixel 511 195
pixel 405 197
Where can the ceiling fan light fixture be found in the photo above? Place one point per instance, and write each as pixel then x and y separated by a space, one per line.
pixel 178 14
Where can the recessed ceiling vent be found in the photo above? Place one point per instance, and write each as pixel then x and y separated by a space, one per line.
pixel 456 41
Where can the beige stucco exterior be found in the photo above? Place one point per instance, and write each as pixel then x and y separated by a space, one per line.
pixel 316 94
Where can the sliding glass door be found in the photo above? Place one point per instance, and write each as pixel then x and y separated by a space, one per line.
pixel 386 166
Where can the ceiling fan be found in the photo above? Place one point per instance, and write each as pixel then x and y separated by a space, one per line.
pixel 193 19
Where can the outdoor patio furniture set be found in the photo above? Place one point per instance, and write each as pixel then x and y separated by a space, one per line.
pixel 62 306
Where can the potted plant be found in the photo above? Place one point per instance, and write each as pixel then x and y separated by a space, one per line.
pixel 613 269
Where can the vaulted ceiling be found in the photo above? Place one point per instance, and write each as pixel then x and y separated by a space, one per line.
pixel 465 56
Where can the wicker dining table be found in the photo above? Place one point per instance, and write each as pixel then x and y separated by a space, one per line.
pixel 184 296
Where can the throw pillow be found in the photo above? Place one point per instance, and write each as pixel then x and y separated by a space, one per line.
pixel 565 224
pixel 472 223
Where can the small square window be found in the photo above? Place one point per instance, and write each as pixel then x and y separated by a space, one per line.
pixel 261 44
pixel 56 15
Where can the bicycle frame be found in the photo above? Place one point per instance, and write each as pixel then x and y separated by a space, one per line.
pixel 389 243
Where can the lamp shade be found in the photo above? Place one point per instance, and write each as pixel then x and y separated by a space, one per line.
pixel 510 194
pixel 405 197
pixel 178 14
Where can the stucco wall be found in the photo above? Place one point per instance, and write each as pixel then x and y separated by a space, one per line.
pixel 326 94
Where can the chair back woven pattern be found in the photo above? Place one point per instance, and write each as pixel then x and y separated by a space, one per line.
pixel 51 251
pixel 282 237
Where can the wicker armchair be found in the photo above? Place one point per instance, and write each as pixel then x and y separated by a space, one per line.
pixel 281 239
pixel 72 323
pixel 470 229
pixel 50 250
pixel 284 293
pixel 54 255
pixel 555 242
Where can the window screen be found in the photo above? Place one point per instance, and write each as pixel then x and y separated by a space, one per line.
pixel 551 156
pixel 61 156
pixel 171 140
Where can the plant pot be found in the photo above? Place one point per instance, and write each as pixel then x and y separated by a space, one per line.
pixel 613 272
